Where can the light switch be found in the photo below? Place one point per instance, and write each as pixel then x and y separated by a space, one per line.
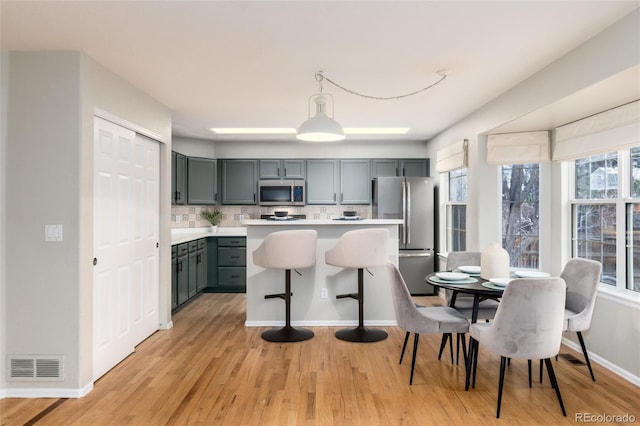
pixel 53 233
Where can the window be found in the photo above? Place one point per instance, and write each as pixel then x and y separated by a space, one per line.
pixel 456 210
pixel 520 214
pixel 607 193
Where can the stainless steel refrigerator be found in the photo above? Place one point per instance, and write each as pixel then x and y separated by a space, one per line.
pixel 410 199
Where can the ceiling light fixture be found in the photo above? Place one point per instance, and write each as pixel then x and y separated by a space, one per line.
pixel 322 128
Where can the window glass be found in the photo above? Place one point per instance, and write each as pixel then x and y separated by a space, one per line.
pixel 597 177
pixel 595 236
pixel 458 185
pixel 456 227
pixel 633 244
pixel 635 172
pixel 520 214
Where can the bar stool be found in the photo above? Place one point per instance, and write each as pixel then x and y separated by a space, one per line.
pixel 360 249
pixel 287 250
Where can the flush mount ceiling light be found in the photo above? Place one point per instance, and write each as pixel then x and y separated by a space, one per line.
pixel 322 128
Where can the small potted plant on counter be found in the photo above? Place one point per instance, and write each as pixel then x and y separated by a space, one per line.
pixel 213 218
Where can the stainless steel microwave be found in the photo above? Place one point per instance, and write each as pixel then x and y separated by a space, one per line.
pixel 274 192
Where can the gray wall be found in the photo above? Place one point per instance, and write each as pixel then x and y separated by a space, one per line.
pixel 615 339
pixel 48 173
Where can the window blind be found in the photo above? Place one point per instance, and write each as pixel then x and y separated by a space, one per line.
pixel 518 148
pixel 611 130
pixel 452 157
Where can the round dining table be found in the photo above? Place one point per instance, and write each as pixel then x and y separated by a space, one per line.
pixel 474 285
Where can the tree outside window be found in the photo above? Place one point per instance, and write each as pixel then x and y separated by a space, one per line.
pixel 520 214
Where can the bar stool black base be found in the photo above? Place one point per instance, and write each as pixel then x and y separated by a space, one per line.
pixel 361 335
pixel 287 334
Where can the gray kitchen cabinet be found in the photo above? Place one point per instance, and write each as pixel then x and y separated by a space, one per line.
pixel 384 168
pixel 401 167
pixel 182 273
pixel 178 178
pixel 355 182
pixel 322 181
pixel 201 181
pixel 232 261
pixel 174 277
pixel 193 268
pixel 201 265
pixel 239 181
pixel 414 167
pixel 282 169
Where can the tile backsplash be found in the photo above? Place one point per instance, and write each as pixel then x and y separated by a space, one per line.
pixel 189 216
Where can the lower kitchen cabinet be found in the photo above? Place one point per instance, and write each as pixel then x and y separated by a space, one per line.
pixel 189 271
pixel 232 262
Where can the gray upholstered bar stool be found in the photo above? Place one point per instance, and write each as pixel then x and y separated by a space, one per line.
pixel 287 250
pixel 360 249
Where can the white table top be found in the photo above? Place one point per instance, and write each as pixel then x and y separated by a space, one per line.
pixel 321 222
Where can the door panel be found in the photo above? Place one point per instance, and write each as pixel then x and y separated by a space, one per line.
pixel 126 210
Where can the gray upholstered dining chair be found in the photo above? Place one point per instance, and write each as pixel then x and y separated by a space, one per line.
pixel 582 277
pixel 425 320
pixel 295 249
pixel 360 249
pixel 528 325
pixel 464 302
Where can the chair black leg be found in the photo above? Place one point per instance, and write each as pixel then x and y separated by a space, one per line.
pixel 503 362
pixel 554 383
pixel 469 363
pixel 475 364
pixel 404 346
pixel 451 347
pixel 457 348
pixel 529 368
pixel 542 369
pixel 413 360
pixel 443 344
pixel 586 356
pixel 464 348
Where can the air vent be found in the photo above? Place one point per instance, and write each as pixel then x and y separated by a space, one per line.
pixel 35 368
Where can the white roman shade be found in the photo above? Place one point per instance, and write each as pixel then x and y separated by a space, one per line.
pixel 452 157
pixel 518 148
pixel 611 130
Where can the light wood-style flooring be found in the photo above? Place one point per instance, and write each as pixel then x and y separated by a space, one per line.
pixel 211 370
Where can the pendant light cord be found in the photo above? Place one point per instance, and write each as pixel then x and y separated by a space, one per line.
pixel 320 77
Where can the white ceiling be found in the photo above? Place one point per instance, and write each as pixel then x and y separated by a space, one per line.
pixel 246 63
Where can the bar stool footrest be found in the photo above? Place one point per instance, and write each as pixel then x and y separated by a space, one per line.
pixel 351 295
pixel 276 296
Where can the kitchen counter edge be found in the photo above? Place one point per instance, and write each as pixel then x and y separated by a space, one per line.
pixel 184 235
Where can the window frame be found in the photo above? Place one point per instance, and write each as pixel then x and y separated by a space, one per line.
pixel 622 203
pixel 446 204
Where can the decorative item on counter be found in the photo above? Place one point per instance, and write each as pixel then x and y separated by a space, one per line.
pixel 494 262
pixel 213 218
pixel 281 213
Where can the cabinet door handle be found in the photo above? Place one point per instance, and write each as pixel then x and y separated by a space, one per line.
pixel 285 171
pixel 279 171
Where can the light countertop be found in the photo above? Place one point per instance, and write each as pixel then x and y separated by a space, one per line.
pixel 183 235
pixel 321 222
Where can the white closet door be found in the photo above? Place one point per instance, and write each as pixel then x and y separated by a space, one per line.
pixel 126 227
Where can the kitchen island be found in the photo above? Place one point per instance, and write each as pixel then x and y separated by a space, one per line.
pixel 309 307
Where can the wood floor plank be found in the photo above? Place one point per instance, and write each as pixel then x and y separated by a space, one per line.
pixel 210 369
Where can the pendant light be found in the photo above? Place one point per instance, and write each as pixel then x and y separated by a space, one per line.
pixel 321 127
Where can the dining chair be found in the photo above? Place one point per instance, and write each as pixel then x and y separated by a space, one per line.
pixel 528 325
pixel 582 277
pixel 295 249
pixel 463 303
pixel 425 320
pixel 360 249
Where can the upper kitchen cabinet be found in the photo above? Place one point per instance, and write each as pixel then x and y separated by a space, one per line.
pixel 282 169
pixel 239 181
pixel 403 167
pixel 201 181
pixel 355 182
pixel 413 167
pixel 322 181
pixel 178 178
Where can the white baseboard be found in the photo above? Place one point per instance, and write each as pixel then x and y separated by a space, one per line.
pixel 631 378
pixel 166 327
pixel 47 392
pixel 332 323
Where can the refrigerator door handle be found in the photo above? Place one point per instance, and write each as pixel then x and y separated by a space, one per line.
pixel 404 212
pixel 408 213
pixel 415 254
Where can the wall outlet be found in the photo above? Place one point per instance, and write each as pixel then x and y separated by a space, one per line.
pixel 177 218
pixel 323 293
